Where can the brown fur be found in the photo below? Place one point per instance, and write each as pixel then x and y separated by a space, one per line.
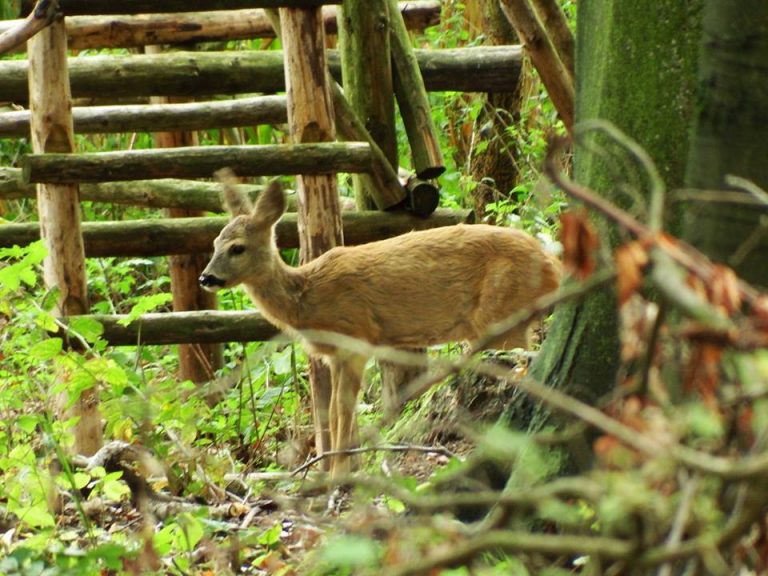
pixel 418 289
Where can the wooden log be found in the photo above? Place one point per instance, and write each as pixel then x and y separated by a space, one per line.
pixel 311 119
pixel 88 32
pixel 198 162
pixel 44 13
pixel 384 186
pixel 367 74
pixel 413 101
pixel 83 7
pixel 553 74
pixel 164 236
pixel 59 211
pixel 159 117
pixel 199 327
pixel 556 24
pixel 479 69
pixel 198 362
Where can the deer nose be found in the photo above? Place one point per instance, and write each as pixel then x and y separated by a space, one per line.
pixel 210 281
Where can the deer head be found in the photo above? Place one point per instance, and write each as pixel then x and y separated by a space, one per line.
pixel 246 247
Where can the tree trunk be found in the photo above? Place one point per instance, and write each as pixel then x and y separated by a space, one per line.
pixel 654 105
pixel 729 135
pixel 59 208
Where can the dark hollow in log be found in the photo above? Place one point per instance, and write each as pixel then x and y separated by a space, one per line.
pixel 165 236
pixel 198 162
pixel 479 69
pixel 198 327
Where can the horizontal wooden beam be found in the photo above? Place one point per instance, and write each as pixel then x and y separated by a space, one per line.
pixel 165 236
pixel 479 69
pixel 162 193
pixel 198 162
pixel 199 327
pixel 82 7
pixel 126 31
pixel 185 116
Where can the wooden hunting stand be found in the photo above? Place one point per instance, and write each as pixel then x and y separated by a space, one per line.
pixel 375 61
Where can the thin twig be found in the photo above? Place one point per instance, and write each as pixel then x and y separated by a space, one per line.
pixel 362 450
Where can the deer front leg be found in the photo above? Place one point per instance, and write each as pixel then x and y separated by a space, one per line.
pixel 347 375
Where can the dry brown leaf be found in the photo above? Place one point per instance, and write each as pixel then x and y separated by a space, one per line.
pixel 724 291
pixel 631 259
pixel 580 242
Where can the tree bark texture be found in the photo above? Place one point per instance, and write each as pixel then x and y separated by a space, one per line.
pixel 195 74
pixel 198 162
pixel 159 117
pixel 729 135
pixel 367 75
pixel 82 7
pixel 310 119
pixel 59 206
pixel 413 101
pixel 200 327
pixel 162 193
pixel 553 74
pixel 654 105
pixel 126 31
pixel 164 236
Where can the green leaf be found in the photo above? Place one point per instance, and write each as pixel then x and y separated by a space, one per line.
pixel 113 489
pixel 38 516
pixel 351 552
pixel 269 538
pixel 27 422
pixel 47 349
pixel 80 480
pixel 144 305
pixel 88 328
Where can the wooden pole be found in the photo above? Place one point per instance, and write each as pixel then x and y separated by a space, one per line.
pixel 126 31
pixel 200 327
pixel 161 117
pixel 164 236
pixel 555 23
pixel 59 207
pixel 553 74
pixel 310 118
pixel 82 7
pixel 198 162
pixel 413 102
pixel 197 362
pixel 479 69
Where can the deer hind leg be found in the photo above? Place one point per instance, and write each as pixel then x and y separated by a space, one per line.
pixel 346 380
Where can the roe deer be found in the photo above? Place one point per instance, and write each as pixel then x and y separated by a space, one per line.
pixel 418 289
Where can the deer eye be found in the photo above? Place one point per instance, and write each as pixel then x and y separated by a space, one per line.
pixel 236 250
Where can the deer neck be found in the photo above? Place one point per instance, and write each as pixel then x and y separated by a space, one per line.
pixel 277 291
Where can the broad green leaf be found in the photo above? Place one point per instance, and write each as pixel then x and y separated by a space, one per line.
pixel 350 552
pixel 88 328
pixel 47 349
pixel 146 304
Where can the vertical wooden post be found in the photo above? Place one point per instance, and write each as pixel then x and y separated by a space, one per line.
pixel 50 103
pixel 197 362
pixel 364 41
pixel 310 118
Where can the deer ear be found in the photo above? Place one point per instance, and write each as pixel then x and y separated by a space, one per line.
pixel 236 202
pixel 270 205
